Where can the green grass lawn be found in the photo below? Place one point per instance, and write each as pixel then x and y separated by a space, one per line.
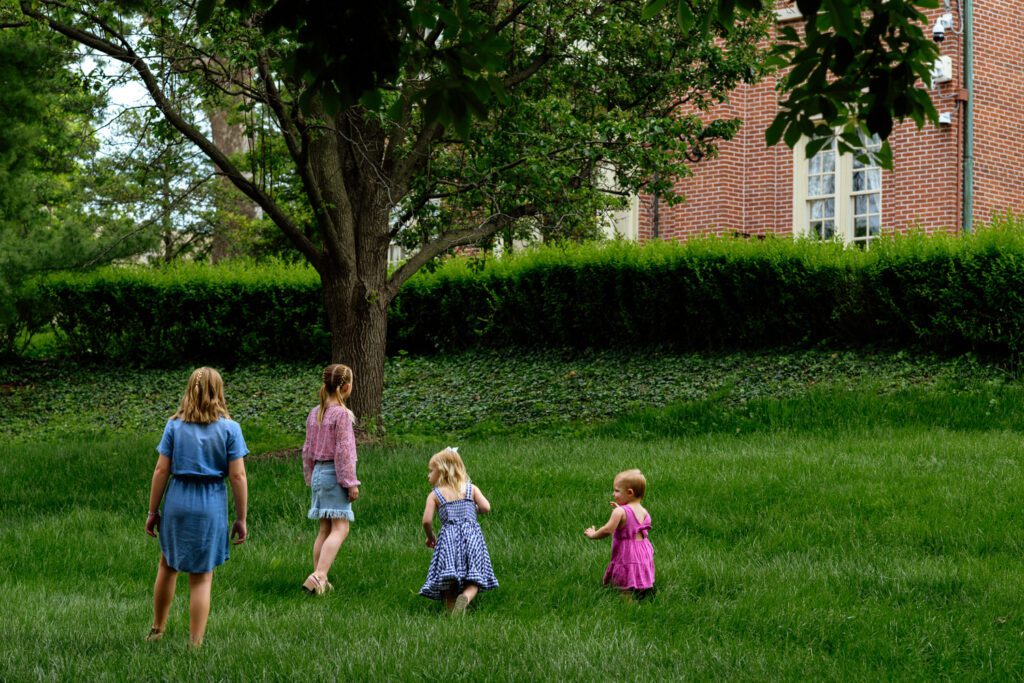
pixel 832 535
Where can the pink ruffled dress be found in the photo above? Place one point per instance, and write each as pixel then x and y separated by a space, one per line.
pixel 632 565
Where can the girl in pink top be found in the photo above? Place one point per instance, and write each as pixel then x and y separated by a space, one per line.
pixel 329 466
pixel 632 565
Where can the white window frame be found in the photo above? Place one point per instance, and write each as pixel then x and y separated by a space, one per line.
pixel 845 196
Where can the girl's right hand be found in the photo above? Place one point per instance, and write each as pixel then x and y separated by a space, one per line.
pixel 431 542
pixel 353 494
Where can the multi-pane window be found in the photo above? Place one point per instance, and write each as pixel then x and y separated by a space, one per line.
pixel 821 194
pixel 838 196
pixel 866 190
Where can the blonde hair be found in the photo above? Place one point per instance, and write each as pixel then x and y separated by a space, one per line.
pixel 203 401
pixel 633 479
pixel 336 376
pixel 451 472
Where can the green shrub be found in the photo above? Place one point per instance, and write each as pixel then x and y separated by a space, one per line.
pixel 943 293
pixel 189 313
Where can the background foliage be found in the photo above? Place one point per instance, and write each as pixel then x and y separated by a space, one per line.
pixel 944 293
pixel 46 135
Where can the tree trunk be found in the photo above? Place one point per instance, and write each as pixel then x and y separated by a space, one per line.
pixel 358 327
pixel 234 209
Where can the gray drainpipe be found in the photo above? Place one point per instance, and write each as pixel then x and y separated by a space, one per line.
pixel 968 204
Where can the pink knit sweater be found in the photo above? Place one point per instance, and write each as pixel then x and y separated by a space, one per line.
pixel 332 440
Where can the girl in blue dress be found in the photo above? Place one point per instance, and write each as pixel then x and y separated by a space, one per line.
pixel 461 566
pixel 201 446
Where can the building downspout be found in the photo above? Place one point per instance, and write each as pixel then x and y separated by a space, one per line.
pixel 656 214
pixel 968 118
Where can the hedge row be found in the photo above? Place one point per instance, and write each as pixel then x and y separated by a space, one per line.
pixel 189 313
pixel 941 293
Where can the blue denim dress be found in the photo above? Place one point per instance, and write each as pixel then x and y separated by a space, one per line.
pixel 194 524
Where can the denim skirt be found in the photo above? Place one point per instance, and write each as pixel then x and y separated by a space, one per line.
pixel 194 525
pixel 330 499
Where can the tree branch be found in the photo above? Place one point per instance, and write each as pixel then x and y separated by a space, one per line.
pixel 456 238
pixel 529 70
pixel 417 156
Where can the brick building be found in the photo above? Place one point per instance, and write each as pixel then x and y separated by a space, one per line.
pixel 969 165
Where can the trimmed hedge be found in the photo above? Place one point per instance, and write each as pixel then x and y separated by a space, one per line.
pixel 189 313
pixel 942 293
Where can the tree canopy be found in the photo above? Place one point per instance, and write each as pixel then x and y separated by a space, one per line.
pixel 441 123
pixel 852 66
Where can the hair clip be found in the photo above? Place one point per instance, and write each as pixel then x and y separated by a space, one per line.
pixel 452 448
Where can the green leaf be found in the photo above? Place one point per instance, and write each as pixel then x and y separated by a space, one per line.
pixel 726 13
pixel 841 15
pixel 653 7
pixel 684 15
pixel 774 132
pixel 792 134
pixel 204 11
pixel 330 98
pixel 884 155
pixel 461 117
pixel 809 8
pixel 371 99
pixel 815 145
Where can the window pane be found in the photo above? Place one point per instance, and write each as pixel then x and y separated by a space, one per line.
pixel 874 203
pixel 873 179
pixel 858 181
pixel 829 229
pixel 823 208
pixel 828 161
pixel 860 205
pixel 821 185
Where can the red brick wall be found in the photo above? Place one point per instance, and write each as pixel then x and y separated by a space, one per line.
pixel 998 108
pixel 749 188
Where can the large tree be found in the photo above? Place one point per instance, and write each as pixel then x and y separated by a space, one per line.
pixel 559 96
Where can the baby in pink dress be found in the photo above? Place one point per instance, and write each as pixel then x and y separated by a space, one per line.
pixel 632 565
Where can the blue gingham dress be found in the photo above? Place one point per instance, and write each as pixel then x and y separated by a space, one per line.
pixel 460 556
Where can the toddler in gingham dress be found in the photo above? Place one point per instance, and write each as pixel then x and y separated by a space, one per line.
pixel 461 566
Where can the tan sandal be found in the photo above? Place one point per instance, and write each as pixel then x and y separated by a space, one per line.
pixel 461 603
pixel 313 586
pixel 155 634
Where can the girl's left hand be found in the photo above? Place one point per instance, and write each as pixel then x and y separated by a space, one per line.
pixel 589 533
pixel 239 531
pixel 153 525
